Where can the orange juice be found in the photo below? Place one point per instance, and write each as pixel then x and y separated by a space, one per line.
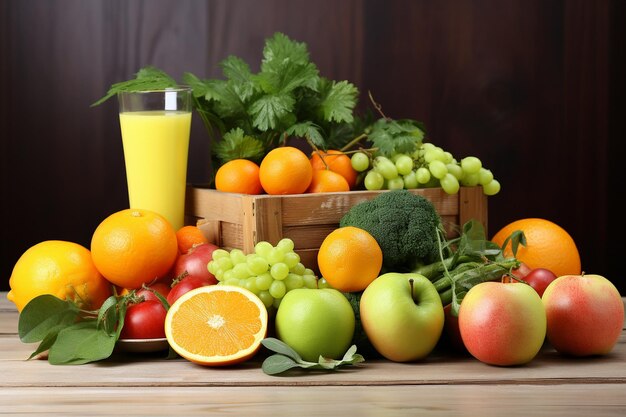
pixel 156 145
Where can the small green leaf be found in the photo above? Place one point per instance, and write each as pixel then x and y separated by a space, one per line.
pixel 338 101
pixel 278 346
pixel 277 364
pixel 42 314
pixel 81 343
pixel 269 109
pixel 236 145
pixel 147 78
pixel 308 130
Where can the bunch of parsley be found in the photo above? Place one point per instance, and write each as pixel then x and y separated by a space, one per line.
pixel 247 114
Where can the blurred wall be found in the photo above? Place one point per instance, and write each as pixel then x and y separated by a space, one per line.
pixel 532 87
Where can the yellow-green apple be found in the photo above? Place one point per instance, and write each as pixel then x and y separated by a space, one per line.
pixel 315 322
pixel 585 314
pixel 402 316
pixel 501 323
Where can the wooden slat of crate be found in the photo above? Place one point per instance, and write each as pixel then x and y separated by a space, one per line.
pixel 239 221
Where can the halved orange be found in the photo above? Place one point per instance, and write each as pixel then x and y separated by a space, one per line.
pixel 216 325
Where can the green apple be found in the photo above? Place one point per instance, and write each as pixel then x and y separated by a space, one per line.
pixel 402 316
pixel 502 323
pixel 316 322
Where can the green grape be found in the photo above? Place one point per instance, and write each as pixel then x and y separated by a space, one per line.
pixel 228 274
pixel 278 289
pixel 448 158
pixel 241 271
pixel 306 271
pixel 471 165
pixel 310 281
pixel 373 180
pixel 257 264
pixel 299 269
pixel 456 170
pixel 360 161
pixel 291 259
pixel 251 285
pixel 434 154
pixel 212 267
pixel 266 298
pixel 404 164
pixel 224 263
pixel 395 183
pixel 275 256
pixel 219 253
pixel 263 248
pixel 485 176
pixel 279 271
pixel 469 180
pixel 294 281
pixel 423 175
pixel 322 283
pixel 491 188
pixel 219 274
pixel 386 168
pixel 231 281
pixel 276 303
pixel 286 245
pixel 410 180
pixel 426 146
pixel 438 169
pixel 450 184
pixel 264 281
pixel 237 256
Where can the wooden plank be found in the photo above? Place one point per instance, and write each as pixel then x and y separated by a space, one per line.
pixel 473 205
pixel 564 400
pixel 262 221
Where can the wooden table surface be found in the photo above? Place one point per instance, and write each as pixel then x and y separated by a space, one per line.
pixel 444 384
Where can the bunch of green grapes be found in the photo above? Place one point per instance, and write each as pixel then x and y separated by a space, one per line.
pixel 427 166
pixel 270 272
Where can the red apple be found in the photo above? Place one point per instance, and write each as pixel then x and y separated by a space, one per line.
pixel 585 314
pixel 539 279
pixel 195 262
pixel 502 324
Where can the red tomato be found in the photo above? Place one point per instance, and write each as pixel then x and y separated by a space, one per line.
pixel 145 320
pixel 539 278
pixel 188 283
pixel 148 294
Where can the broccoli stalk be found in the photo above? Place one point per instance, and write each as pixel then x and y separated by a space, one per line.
pixel 405 225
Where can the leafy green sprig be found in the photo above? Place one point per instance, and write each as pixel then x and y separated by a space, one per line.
pixel 286 358
pixel 146 79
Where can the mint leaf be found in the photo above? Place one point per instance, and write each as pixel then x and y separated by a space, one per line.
pixel 277 364
pixel 281 347
pixel 236 145
pixel 338 101
pixel 42 315
pixel 81 343
pixel 268 110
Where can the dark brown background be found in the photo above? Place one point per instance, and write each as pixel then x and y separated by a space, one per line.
pixel 533 87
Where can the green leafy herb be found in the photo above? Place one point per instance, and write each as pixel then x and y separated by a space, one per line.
pixel 286 358
pixel 396 136
pixel 286 97
pixel 147 78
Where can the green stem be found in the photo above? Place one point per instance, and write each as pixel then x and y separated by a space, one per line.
pixel 353 142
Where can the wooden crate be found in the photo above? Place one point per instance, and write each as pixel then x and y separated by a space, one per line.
pixel 240 221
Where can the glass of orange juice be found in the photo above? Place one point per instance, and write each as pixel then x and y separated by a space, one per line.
pixel 155 128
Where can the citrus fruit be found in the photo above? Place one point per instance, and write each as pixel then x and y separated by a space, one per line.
pixel 189 236
pixel 216 325
pixel 238 176
pixel 285 170
pixel 335 161
pixel 315 322
pixel 326 181
pixel 63 269
pixel 548 246
pixel 133 247
pixel 349 259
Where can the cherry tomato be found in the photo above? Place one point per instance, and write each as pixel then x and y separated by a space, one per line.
pixel 160 287
pixel 539 278
pixel 188 283
pixel 145 320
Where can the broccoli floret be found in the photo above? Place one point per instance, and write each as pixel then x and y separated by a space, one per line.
pixel 405 225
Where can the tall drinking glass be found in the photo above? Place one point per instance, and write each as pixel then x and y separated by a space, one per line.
pixel 155 129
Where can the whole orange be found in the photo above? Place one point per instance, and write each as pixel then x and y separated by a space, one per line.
pixel 189 236
pixel 238 176
pixel 335 161
pixel 326 181
pixel 349 259
pixel 63 269
pixel 548 246
pixel 285 170
pixel 133 247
